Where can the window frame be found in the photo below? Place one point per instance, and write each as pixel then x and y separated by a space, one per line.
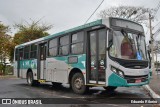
pixel 52 47
pixel 83 41
pixel 64 45
pixel 27 52
pixel 32 51
pixel 22 53
pixel 16 54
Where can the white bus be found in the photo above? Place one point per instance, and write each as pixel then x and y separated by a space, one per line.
pixel 109 53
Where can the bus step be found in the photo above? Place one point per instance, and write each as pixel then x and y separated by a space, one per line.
pixel 42 81
pixel 97 85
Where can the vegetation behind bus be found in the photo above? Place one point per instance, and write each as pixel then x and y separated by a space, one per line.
pixel 30 31
pixel 137 14
pixel 25 33
pixel 5 46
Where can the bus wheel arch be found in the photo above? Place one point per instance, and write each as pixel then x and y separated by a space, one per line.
pixel 77 81
pixel 30 78
pixel 72 72
pixel 29 70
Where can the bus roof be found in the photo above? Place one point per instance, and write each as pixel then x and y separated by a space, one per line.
pixel 94 23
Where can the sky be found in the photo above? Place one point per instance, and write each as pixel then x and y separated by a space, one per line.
pixel 62 14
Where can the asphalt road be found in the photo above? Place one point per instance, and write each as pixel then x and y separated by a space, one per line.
pixel 96 97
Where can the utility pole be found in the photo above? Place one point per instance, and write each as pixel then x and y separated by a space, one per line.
pixel 156 60
pixel 151 45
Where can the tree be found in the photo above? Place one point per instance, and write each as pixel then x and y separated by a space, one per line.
pixel 30 31
pixel 5 41
pixel 137 14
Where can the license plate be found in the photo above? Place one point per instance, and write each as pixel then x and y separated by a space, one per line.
pixel 138 81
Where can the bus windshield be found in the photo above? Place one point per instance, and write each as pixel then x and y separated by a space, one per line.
pixel 127 45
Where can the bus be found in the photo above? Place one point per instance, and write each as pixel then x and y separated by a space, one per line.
pixel 107 53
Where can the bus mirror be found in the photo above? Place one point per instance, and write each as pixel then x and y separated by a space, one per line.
pixel 109 45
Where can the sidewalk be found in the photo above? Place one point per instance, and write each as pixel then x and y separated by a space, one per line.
pixel 154 86
pixel 7 76
pixel 155 83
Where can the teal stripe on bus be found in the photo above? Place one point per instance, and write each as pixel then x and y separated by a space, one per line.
pixel 80 64
pixel 25 64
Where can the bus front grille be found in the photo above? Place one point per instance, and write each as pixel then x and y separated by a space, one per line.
pixel 136 79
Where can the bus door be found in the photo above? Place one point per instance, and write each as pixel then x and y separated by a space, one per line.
pixel 96 53
pixel 19 64
pixel 42 60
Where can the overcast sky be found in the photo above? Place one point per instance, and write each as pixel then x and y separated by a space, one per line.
pixel 62 14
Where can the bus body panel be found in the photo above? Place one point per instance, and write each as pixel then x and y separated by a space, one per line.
pixel 15 69
pixel 58 68
pixel 25 65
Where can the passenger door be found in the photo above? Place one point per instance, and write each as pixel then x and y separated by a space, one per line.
pixel 42 58
pixel 97 56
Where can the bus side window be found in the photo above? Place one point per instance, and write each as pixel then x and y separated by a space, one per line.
pixel 64 45
pixel 16 54
pixel 33 52
pixel 26 52
pixel 52 50
pixel 21 53
pixel 77 43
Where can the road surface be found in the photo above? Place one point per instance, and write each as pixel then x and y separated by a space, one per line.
pixel 96 97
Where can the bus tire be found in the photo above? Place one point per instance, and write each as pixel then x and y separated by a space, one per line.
pixel 30 79
pixel 78 84
pixel 110 88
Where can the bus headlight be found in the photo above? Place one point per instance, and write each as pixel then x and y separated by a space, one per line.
pixel 117 71
pixel 114 69
pixel 120 73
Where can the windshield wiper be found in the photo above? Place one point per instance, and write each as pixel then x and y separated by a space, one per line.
pixel 138 42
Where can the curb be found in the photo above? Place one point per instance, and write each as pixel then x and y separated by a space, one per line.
pixel 7 76
pixel 151 92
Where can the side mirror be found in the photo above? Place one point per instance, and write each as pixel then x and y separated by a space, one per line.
pixel 110 44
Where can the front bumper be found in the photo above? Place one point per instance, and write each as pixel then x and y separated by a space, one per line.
pixel 116 80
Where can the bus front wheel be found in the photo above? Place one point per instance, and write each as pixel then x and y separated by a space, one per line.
pixel 30 79
pixel 78 84
pixel 110 88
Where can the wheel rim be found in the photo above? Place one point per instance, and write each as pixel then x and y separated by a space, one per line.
pixel 78 83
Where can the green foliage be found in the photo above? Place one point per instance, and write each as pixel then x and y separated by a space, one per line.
pixel 3 28
pixel 5 43
pixel 8 70
pixel 28 32
pixel 1 68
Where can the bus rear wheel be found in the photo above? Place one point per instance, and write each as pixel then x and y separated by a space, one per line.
pixel 110 88
pixel 78 84
pixel 30 79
